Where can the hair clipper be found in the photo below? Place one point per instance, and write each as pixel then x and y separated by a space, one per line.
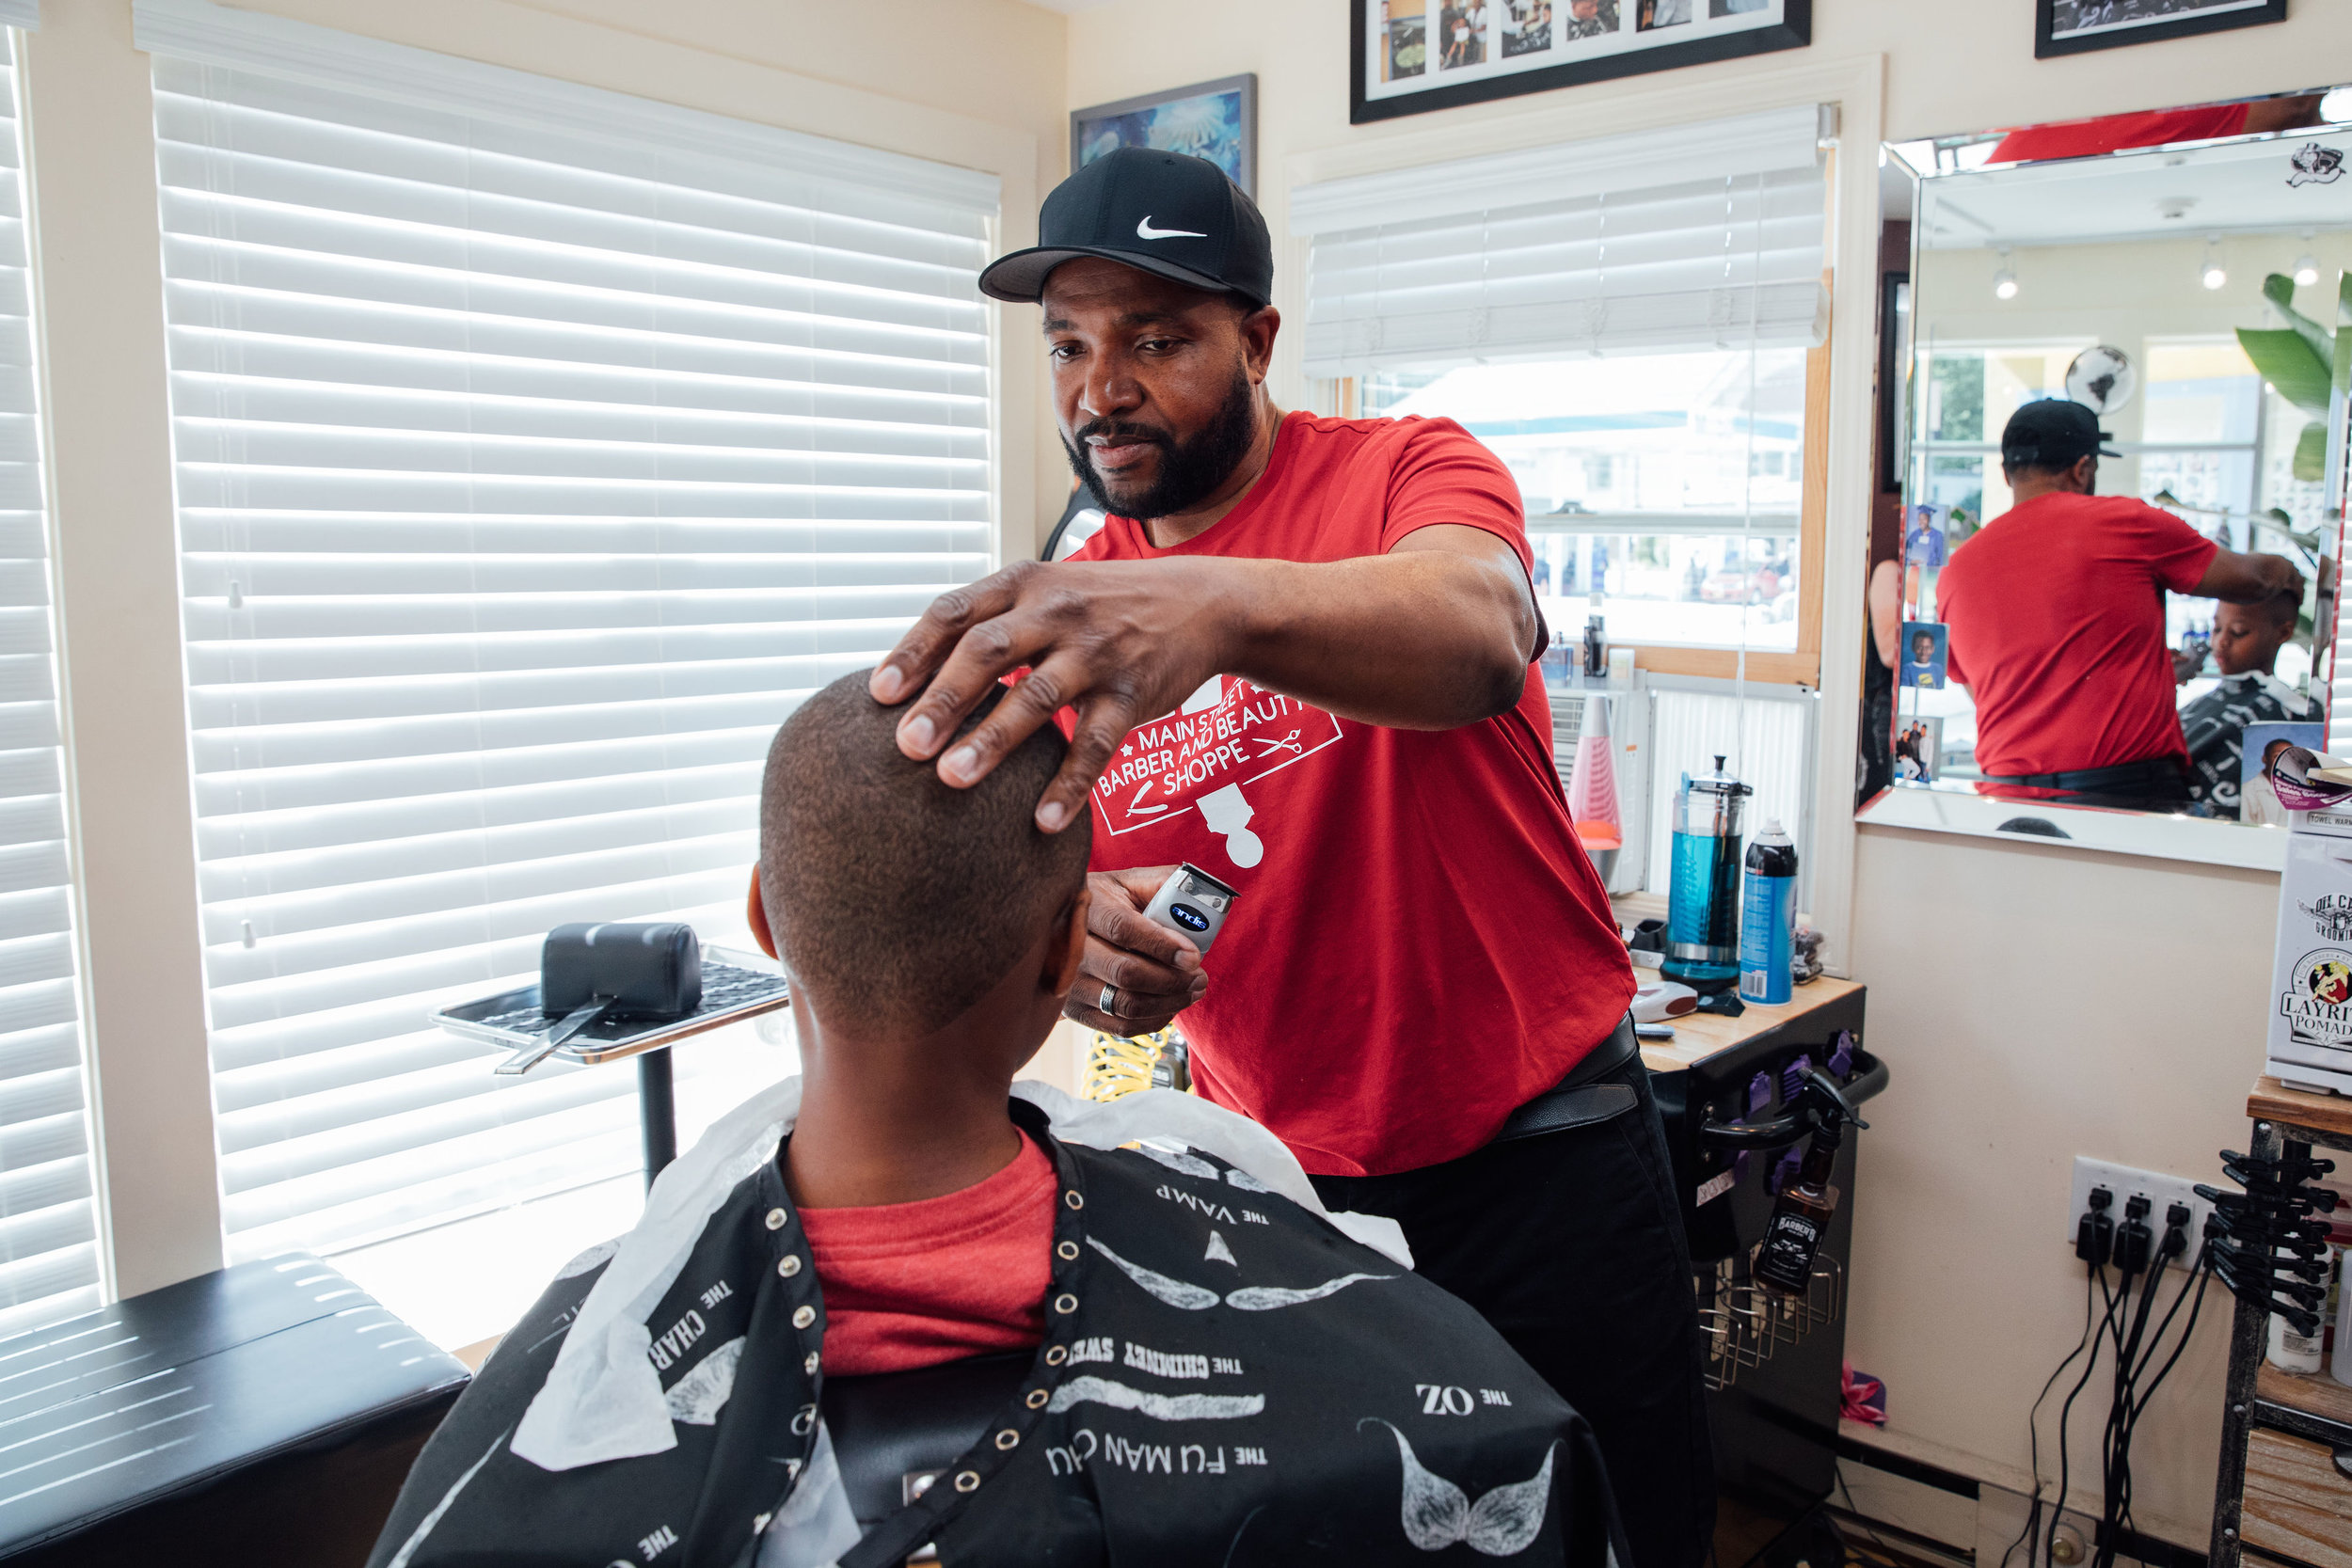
pixel 1193 904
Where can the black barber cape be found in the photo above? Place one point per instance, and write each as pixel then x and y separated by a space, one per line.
pixel 1226 1378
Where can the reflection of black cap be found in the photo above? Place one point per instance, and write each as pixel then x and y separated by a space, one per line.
pixel 2053 433
pixel 1169 214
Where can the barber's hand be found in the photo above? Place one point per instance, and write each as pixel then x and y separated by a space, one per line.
pixel 1154 974
pixel 2186 666
pixel 1119 640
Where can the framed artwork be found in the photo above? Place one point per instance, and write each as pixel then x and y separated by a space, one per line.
pixel 2071 26
pixel 1217 120
pixel 1411 55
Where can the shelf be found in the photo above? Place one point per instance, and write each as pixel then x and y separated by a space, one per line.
pixel 2317 1394
pixel 2328 1114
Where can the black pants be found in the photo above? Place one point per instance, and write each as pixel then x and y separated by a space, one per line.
pixel 1571 1245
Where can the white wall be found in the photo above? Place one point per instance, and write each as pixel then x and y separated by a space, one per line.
pixel 975 82
pixel 2035 1004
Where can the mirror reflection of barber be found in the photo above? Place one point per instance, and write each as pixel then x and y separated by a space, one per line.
pixel 1300 654
pixel 2056 610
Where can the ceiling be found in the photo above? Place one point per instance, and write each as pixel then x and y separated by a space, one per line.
pixel 2181 193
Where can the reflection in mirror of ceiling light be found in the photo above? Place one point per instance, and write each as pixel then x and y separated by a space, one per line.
pixel 2336 108
pixel 2306 265
pixel 1920 156
pixel 2005 280
pixel 2210 272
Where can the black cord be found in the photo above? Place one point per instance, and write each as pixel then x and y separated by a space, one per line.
pixel 2115 1483
pixel 2203 1275
pixel 2058 1507
pixel 2033 1433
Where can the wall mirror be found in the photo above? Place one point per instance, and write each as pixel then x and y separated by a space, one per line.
pixel 2046 659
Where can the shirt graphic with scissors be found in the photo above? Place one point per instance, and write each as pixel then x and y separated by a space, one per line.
pixel 1412 900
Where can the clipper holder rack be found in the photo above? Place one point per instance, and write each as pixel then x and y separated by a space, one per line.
pixel 1746 1324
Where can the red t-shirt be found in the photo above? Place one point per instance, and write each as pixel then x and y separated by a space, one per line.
pixel 2082 139
pixel 914 1284
pixel 2057 617
pixel 1420 944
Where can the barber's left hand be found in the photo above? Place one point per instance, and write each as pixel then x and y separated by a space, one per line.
pixel 1118 641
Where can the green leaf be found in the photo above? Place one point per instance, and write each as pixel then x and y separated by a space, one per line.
pixel 2288 362
pixel 2310 454
pixel 2343 337
pixel 2279 289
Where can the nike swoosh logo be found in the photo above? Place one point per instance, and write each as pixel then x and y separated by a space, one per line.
pixel 1145 231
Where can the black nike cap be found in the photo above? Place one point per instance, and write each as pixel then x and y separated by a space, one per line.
pixel 2055 432
pixel 1169 214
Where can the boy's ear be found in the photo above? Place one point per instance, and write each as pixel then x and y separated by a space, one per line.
pixel 755 913
pixel 1070 946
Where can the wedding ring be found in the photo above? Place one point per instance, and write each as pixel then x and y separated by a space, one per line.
pixel 1110 994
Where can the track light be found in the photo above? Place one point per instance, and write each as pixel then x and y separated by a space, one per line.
pixel 2211 273
pixel 2005 280
pixel 2306 266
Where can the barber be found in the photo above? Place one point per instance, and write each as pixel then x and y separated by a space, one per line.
pixel 2056 615
pixel 1300 655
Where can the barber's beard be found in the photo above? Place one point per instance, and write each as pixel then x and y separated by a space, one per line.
pixel 1190 472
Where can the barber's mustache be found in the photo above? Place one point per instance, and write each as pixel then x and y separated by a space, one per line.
pixel 1121 430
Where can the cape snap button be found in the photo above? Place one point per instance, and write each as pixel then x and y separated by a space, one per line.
pixel 809 1366
pixel 803 1316
pixel 968 1481
pixel 1036 1398
pixel 1056 1355
pixel 788 1265
pixel 1066 1250
pixel 1008 1438
pixel 1065 1303
pixel 1075 1199
pixel 775 1219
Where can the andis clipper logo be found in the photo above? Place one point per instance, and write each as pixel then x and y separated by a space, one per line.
pixel 2331 917
pixel 2317 1003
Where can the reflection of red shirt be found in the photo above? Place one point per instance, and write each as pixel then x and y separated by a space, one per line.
pixel 1420 942
pixel 915 1283
pixel 2081 138
pixel 2057 617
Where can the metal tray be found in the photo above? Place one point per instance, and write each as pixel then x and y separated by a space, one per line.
pixel 732 990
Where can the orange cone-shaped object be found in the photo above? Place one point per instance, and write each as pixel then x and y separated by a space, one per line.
pixel 1593 783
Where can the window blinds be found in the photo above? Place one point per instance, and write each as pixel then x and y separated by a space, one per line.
pixel 48 1225
pixel 1706 236
pixel 537 449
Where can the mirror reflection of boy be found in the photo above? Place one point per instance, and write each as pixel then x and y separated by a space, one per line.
pixel 2246 643
pixel 1202 1368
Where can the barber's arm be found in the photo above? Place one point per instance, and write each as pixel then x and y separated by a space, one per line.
pixel 1435 633
pixel 2242 578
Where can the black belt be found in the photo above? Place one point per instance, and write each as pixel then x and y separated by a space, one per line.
pixel 1593 1091
pixel 2094 781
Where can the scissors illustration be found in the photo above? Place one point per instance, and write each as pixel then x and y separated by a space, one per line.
pixel 1288 743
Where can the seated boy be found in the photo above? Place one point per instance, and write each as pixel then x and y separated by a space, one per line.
pixel 1205 1368
pixel 2246 643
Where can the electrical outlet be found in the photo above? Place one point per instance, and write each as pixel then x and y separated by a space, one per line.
pixel 2123 1181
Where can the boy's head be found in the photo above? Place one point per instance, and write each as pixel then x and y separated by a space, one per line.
pixel 895 900
pixel 1923 647
pixel 2249 636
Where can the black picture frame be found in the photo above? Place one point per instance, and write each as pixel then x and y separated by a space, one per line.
pixel 1794 31
pixel 2047 45
pixel 1245 85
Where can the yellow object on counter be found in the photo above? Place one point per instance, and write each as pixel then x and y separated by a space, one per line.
pixel 1117 1068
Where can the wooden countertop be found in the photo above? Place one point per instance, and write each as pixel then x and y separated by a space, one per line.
pixel 1699 1035
pixel 2274 1101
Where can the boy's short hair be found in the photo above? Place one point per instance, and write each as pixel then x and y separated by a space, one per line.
pixel 892 896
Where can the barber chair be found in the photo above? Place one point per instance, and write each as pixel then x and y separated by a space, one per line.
pixel 894 1433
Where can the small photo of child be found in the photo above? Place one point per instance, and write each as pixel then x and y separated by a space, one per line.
pixel 1924 645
